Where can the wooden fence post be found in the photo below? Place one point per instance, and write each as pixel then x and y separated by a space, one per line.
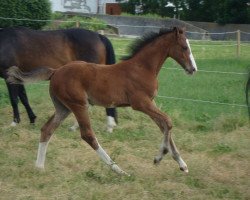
pixel 77 24
pixel 238 43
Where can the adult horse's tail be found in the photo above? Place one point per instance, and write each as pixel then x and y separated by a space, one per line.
pixel 16 76
pixel 110 59
pixel 110 54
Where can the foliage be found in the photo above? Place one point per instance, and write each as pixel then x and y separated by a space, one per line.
pixel 233 11
pixel 223 11
pixel 63 21
pixel 25 9
pixel 93 24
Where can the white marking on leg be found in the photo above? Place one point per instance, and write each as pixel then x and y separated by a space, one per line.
pixel 13 124
pixel 41 154
pixel 191 56
pixel 74 127
pixel 183 165
pixel 176 156
pixel 161 153
pixel 105 157
pixel 110 124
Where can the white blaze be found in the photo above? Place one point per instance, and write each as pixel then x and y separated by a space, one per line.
pixel 191 56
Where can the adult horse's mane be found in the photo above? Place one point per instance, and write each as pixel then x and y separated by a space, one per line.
pixel 139 43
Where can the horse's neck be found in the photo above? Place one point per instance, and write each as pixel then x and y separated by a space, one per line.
pixel 153 55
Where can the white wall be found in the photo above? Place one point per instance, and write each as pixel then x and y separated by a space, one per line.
pixel 84 6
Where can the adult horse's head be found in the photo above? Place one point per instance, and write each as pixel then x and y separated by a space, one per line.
pixel 181 51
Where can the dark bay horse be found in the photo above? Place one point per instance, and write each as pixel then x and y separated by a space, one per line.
pixel 132 82
pixel 29 49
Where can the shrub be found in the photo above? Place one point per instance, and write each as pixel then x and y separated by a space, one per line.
pixel 84 22
pixel 24 9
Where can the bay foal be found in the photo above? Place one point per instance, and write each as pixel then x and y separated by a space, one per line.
pixel 132 82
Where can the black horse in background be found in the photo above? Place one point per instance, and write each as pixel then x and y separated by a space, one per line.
pixel 28 49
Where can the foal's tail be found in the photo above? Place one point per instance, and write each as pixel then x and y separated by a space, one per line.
pixel 17 76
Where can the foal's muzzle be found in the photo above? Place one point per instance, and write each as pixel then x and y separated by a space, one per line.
pixel 190 70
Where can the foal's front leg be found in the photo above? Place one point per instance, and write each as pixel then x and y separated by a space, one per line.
pixel 164 123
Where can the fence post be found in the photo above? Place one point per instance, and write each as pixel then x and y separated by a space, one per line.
pixel 238 43
pixel 77 24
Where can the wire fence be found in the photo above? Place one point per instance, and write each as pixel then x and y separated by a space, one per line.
pixel 226 39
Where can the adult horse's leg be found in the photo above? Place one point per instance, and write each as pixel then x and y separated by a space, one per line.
pixel 24 99
pixel 47 130
pixel 13 94
pixel 111 119
pixel 87 134
pixel 164 122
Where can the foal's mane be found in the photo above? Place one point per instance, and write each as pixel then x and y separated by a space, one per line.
pixel 139 43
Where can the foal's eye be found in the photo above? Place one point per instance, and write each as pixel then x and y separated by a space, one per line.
pixel 185 48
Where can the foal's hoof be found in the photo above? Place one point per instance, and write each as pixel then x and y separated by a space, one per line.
pixel 39 165
pixel 184 169
pixel 118 170
pixel 157 160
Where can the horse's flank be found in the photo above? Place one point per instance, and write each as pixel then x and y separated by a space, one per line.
pixel 100 89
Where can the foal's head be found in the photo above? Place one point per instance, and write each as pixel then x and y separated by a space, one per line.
pixel 181 52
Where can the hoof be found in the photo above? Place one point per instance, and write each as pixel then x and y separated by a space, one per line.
pixel 13 124
pixel 110 130
pixel 157 160
pixel 118 170
pixel 33 120
pixel 184 169
pixel 32 124
pixel 40 167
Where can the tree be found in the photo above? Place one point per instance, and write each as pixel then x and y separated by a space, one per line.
pixel 223 11
pixel 233 11
pixel 24 9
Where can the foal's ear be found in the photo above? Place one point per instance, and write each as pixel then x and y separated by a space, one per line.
pixel 176 30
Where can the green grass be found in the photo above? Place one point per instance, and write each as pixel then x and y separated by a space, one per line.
pixel 212 138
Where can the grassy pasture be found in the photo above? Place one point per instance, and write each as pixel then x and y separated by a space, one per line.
pixel 212 138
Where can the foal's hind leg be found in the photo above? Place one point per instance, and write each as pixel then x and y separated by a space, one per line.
pixel 164 123
pixel 87 134
pixel 47 130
